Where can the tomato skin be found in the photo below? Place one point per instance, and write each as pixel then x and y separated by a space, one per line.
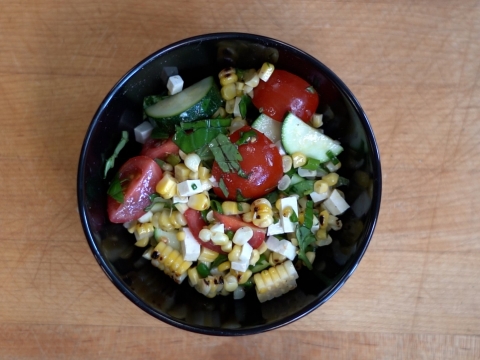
pixel 234 223
pixel 139 176
pixel 196 223
pixel 159 149
pixel 284 92
pixel 261 162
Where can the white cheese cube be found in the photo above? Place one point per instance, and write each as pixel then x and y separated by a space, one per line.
pixel 306 173
pixel 287 224
pixel 239 266
pixel 336 204
pixel 282 247
pixel 246 253
pixel 242 235
pixel 174 84
pixel 218 227
pixel 180 199
pixel 317 197
pixel 189 187
pixel 143 132
pixel 275 229
pixel 190 246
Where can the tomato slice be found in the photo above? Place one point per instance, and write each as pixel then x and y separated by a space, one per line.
pixel 196 223
pixel 284 92
pixel 234 223
pixel 138 176
pixel 159 149
pixel 261 162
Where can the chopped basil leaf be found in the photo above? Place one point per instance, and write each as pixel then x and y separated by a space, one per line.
pixel 111 160
pixel 272 197
pixel 216 206
pixel 293 217
pixel 246 137
pixel 239 206
pixel 332 157
pixel 301 188
pixel 245 101
pixel 223 187
pixel 225 153
pixel 308 217
pixel 204 215
pixel 305 238
pixel 230 234
pixel 221 258
pixel 152 202
pixel 115 189
pixel 240 196
pixel 312 164
pixel 160 162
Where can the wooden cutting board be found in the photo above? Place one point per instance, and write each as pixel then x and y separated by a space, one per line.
pixel 414 66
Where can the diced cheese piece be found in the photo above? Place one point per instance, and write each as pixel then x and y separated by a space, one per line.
pixel 143 132
pixel 242 235
pixel 174 84
pixel 239 266
pixel 180 199
pixel 218 227
pixel 246 253
pixel 336 204
pixel 307 173
pixel 287 224
pixel 189 187
pixel 282 247
pixel 190 246
pixel 316 224
pixel 275 229
pixel 317 197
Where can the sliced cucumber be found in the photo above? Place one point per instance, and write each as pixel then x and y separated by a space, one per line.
pixel 269 127
pixel 198 101
pixel 301 137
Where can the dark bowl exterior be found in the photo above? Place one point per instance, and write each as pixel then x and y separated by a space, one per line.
pixel 145 285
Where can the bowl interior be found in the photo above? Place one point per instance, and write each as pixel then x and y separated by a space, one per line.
pixel 147 286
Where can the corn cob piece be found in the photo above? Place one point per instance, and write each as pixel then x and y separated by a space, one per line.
pixel 170 261
pixel 275 281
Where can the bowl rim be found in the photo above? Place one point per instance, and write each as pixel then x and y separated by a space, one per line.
pixel 355 260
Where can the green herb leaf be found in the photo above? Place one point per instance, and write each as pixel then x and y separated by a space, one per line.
pixel 312 164
pixel 230 234
pixel 246 137
pixel 272 197
pixel 243 105
pixel 223 187
pixel 301 188
pixel 239 206
pixel 111 160
pixel 305 238
pixel 260 265
pixel 240 196
pixel 221 258
pixel 203 270
pixel 160 162
pixel 332 157
pixel 115 189
pixel 225 153
pixel 152 202
pixel 308 218
pixel 158 133
pixel 216 206
pixel 293 217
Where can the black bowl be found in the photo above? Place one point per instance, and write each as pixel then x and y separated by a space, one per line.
pixel 181 305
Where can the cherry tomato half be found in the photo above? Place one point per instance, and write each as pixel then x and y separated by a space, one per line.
pixel 261 163
pixel 234 223
pixel 159 149
pixel 138 176
pixel 284 92
pixel 196 223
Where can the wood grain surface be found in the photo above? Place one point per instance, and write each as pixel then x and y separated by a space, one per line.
pixel 414 66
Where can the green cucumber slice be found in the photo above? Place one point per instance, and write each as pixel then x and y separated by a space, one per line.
pixel 198 101
pixel 298 136
pixel 269 127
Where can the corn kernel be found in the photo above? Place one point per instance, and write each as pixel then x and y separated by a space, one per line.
pixel 235 253
pixel 228 92
pixel 167 186
pixel 224 266
pixel 266 71
pixel 323 218
pixel 262 248
pixel 207 255
pixel 230 283
pixel 317 120
pixel 287 163
pixel 199 202
pixel 219 238
pixel 227 247
pixel 181 236
pixel 181 172
pixel 203 173
pixel 243 277
pixel 227 76
pixel 331 179
pixel 320 186
pixel 229 106
pixel 310 256
pixel 298 159
pixel 205 235
pixel 193 276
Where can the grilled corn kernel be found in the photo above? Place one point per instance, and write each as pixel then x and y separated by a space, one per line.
pixel 254 257
pixel 287 163
pixel 275 258
pixel 181 172
pixel 228 92
pixel 142 242
pixel 193 276
pixel 199 202
pixel 235 253
pixel 207 255
pixel 323 218
pixel 248 217
pixel 298 159
pixel 243 277
pixel 320 186
pixel 227 76
pixel 205 235
pixel 230 283
pixel 143 230
pixel 180 236
pixel 262 248
pixel 203 173
pixel 227 247
pixel 331 179
pixel 317 120
pixel 224 266
pixel 219 238
pixel 167 186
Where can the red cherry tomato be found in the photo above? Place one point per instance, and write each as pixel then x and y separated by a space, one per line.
pixel 138 176
pixel 284 92
pixel 159 149
pixel 196 223
pixel 261 163
pixel 234 223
